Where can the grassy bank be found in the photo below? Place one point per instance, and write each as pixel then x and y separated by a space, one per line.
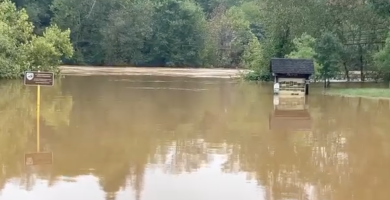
pixel 361 92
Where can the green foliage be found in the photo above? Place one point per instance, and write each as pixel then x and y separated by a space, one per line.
pixel 258 75
pixel 86 20
pixel 123 41
pixel 382 7
pixel 252 57
pixel 21 50
pixel 39 14
pixel 45 52
pixel 304 48
pixel 229 34
pixel 252 13
pixel 382 59
pixel 209 5
pixel 196 33
pixel 179 30
pixel 254 60
pixel 328 50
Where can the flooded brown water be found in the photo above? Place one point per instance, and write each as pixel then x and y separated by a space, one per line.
pixel 153 138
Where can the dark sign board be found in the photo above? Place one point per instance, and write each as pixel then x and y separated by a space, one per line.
pixel 38 158
pixel 39 78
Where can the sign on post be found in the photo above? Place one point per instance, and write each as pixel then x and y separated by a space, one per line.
pixel 33 78
pixel 39 158
pixel 37 78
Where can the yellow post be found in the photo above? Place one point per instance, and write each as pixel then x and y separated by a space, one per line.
pixel 38 114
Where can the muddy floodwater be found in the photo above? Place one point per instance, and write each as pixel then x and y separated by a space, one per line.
pixel 182 138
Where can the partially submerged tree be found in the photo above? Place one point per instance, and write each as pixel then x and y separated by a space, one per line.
pixel 328 50
pixel 21 50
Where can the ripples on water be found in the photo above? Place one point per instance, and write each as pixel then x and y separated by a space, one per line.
pixel 153 138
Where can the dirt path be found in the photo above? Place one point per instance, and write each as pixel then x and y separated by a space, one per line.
pixel 156 71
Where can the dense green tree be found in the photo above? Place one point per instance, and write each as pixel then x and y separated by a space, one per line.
pixel 304 48
pixel 178 36
pixel 287 19
pixel 252 11
pixel 254 59
pixel 207 33
pixel 126 32
pixel 253 53
pixel 382 7
pixel 209 5
pixel 328 50
pixel 359 36
pixel 85 19
pixel 21 50
pixel 382 60
pixel 229 34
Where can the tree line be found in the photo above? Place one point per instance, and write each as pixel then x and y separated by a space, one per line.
pixel 341 36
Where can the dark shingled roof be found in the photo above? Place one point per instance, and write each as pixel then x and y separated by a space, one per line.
pixel 292 66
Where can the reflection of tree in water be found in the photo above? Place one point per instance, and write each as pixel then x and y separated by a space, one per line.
pixel 17 122
pixel 172 133
pixel 113 179
pixel 340 153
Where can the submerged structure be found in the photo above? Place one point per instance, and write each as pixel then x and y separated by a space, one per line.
pixel 290 114
pixel 291 76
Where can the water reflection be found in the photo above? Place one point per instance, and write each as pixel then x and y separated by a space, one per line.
pixel 17 124
pixel 290 114
pixel 112 141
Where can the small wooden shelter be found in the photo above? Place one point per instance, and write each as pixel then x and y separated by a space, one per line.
pixel 292 75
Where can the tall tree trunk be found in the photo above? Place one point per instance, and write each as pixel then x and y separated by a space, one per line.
pixel 346 71
pixel 361 63
pixel 324 82
pixel 362 78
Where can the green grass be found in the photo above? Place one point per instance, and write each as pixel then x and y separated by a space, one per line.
pixel 361 92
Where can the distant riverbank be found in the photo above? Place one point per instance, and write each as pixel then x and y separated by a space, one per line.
pixel 166 71
pixel 376 93
pixel 154 71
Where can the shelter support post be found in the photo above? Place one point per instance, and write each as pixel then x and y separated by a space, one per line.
pixel 307 82
pixel 307 89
